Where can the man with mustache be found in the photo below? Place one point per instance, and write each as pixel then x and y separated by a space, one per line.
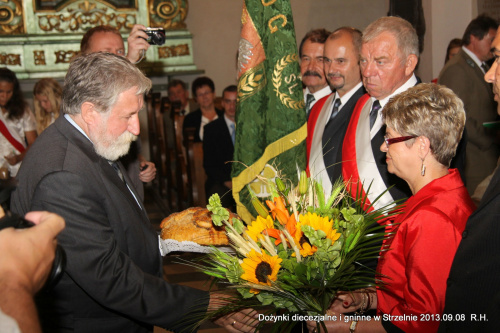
pixel 311 67
pixel 329 118
pixel 113 277
pixel 473 293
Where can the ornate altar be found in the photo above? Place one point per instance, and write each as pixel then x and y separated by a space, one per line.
pixel 38 38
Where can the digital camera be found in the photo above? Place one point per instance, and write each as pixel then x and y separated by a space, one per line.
pixel 17 222
pixel 156 36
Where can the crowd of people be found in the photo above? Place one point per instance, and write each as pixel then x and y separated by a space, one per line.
pixel 370 120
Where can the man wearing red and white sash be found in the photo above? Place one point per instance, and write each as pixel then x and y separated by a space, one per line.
pixel 389 55
pixel 329 117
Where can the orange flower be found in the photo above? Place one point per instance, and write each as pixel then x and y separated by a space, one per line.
pixel 279 210
pixel 290 227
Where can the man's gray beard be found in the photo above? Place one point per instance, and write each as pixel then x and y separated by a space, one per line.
pixel 112 149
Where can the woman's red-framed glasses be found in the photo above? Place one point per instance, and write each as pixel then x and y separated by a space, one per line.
pixel 390 141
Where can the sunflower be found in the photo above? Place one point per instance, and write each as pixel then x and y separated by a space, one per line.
pixel 319 223
pixel 302 243
pixel 260 268
pixel 259 225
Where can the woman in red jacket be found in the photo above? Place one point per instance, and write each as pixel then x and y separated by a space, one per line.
pixel 424 126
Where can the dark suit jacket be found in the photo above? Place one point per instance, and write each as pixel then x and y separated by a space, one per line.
pixel 466 79
pixel 113 278
pixel 193 119
pixel 334 134
pixel 473 287
pixel 217 150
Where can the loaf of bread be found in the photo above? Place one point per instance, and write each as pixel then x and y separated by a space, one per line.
pixel 194 224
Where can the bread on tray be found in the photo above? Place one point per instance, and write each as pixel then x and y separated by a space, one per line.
pixel 194 224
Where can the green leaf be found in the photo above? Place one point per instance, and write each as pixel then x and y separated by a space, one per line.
pixel 238 225
pixel 219 213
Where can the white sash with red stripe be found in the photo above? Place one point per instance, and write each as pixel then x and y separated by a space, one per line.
pixel 359 163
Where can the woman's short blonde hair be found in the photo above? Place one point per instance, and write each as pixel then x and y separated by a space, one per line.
pixel 429 110
pixel 51 89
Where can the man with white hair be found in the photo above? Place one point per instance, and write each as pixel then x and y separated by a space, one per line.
pixel 389 55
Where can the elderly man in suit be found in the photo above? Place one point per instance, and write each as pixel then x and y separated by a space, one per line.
pixel 389 55
pixel 113 279
pixel 464 75
pixel 473 291
pixel 105 38
pixel 330 116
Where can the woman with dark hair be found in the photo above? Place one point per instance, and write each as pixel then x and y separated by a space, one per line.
pixel 453 48
pixel 17 123
pixel 48 94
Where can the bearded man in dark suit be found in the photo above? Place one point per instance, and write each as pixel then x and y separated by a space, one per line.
pixel 113 278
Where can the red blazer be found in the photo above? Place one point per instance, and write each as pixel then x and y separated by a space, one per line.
pixel 418 263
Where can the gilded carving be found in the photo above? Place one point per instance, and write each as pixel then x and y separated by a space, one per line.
pixel 85 16
pixel 39 57
pixel 11 17
pixel 10 59
pixel 65 57
pixel 168 14
pixel 173 51
pixel 274 28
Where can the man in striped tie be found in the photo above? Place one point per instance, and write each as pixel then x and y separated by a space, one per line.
pixel 329 118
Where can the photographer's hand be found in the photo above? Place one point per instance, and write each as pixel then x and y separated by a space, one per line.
pixel 136 43
pixel 25 264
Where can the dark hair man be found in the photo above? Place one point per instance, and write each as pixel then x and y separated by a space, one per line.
pixel 329 117
pixel 311 67
pixel 464 75
pixel 178 93
pixel 218 150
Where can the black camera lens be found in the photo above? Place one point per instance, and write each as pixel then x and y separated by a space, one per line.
pixel 156 36
pixel 15 221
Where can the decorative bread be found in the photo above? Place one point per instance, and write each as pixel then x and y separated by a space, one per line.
pixel 194 224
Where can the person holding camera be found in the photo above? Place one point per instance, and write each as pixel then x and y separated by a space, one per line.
pixel 25 263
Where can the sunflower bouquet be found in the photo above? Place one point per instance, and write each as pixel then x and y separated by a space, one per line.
pixel 302 248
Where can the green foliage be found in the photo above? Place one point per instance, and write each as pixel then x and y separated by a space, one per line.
pixel 219 213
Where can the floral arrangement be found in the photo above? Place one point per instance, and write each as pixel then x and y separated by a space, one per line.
pixel 299 252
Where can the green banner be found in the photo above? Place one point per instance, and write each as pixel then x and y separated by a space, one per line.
pixel 270 118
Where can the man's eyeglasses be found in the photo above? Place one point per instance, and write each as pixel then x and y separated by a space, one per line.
pixel 389 142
